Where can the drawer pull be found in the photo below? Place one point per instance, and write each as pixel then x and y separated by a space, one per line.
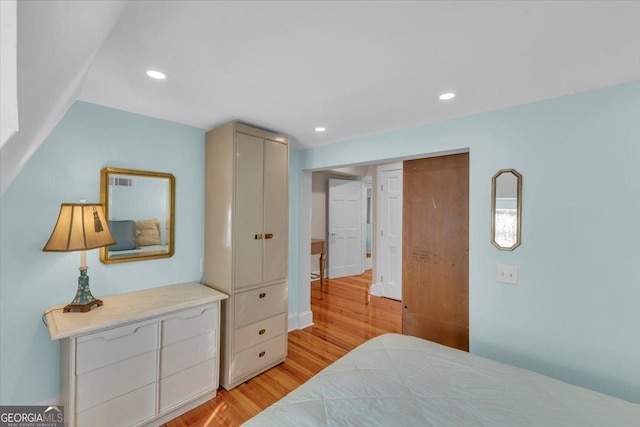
pixel 262 331
pixel 262 295
pixel 257 237
pixel 262 353
pixel 268 236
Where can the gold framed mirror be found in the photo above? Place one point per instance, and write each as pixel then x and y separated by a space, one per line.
pixel 140 209
pixel 506 209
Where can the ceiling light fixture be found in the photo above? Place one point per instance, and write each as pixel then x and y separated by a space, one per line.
pixel 156 75
pixel 320 129
pixel 447 96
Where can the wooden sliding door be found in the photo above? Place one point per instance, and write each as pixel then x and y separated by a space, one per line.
pixel 435 266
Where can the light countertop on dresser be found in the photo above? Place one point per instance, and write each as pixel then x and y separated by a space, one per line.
pixel 129 307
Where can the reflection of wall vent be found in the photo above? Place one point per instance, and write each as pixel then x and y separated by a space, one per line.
pixel 121 182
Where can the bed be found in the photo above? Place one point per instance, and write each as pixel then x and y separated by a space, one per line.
pixel 397 380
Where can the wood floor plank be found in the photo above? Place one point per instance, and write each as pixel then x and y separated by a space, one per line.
pixel 344 316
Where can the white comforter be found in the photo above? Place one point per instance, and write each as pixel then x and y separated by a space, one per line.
pixel 396 380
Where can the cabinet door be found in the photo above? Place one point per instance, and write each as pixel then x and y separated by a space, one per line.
pixel 249 204
pixel 276 170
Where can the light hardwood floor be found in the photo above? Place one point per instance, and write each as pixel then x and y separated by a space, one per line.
pixel 344 316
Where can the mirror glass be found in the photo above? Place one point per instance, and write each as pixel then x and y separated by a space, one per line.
pixel 506 209
pixel 139 207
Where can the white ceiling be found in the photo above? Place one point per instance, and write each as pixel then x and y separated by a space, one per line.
pixel 356 68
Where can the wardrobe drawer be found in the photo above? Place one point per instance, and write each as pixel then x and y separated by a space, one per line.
pixel 126 410
pixel 188 353
pixel 259 356
pixel 189 323
pixel 188 383
pixel 105 348
pixel 258 304
pixel 104 384
pixel 259 332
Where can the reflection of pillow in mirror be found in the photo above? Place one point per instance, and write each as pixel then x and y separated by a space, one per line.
pixel 166 230
pixel 148 232
pixel 124 233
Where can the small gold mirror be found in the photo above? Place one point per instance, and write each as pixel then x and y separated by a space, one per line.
pixel 140 209
pixel 506 209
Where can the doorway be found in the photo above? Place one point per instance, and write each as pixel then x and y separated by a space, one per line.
pixel 345 228
pixel 307 264
pixel 351 196
pixel 388 254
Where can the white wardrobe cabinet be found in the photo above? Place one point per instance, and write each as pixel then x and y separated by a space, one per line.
pixel 142 358
pixel 246 238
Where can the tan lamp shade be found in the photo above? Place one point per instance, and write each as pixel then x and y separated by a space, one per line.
pixel 80 226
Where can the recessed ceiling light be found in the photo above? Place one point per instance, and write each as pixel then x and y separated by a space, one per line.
pixel 156 75
pixel 446 96
pixel 320 129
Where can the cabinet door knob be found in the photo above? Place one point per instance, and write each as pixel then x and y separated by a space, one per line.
pixel 262 353
pixel 262 331
pixel 268 236
pixel 257 237
pixel 262 295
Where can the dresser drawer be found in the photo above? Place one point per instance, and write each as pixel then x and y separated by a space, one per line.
pixel 101 385
pixel 259 356
pixel 126 410
pixel 258 304
pixel 105 348
pixel 188 383
pixel 189 323
pixel 188 353
pixel 259 332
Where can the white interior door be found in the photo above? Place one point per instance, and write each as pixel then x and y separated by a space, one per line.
pixel 345 228
pixel 389 253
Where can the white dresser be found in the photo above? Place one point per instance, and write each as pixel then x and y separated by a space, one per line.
pixel 143 358
pixel 246 242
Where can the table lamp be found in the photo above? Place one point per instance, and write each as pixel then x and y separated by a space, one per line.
pixel 80 226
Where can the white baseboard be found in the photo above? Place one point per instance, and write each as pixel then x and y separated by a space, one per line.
pixel 300 320
pixel 382 290
pixel 305 319
pixel 376 289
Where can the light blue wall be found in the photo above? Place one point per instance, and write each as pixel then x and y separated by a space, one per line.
pixel 575 313
pixel 65 169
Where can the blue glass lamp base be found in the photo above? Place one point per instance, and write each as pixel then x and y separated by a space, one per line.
pixel 83 301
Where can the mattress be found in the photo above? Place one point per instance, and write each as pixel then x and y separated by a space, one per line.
pixel 397 380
